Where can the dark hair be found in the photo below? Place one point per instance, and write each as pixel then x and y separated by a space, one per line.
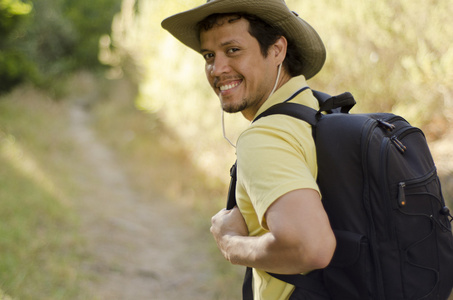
pixel 265 34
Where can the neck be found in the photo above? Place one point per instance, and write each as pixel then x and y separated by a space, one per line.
pixel 285 77
pixel 282 78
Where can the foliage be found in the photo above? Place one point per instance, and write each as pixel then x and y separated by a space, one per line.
pixel 14 67
pixel 49 40
pixel 90 20
pixel 391 55
pixel 11 12
pixel 54 39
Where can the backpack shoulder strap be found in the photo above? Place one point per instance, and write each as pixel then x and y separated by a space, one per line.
pixel 295 110
pixel 340 103
pixel 231 200
pixel 330 104
pixel 311 282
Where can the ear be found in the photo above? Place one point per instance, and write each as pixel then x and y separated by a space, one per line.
pixel 279 49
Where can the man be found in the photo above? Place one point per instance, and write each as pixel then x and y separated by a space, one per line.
pixel 259 53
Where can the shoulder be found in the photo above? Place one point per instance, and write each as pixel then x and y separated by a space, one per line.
pixel 276 145
pixel 275 155
pixel 276 131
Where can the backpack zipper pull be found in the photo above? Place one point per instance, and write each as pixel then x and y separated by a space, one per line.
pixel 446 212
pixel 401 194
pixel 385 125
pixel 399 145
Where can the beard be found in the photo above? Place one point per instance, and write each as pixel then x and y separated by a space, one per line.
pixel 244 103
pixel 234 107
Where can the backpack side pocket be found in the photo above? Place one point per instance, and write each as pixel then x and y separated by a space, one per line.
pixel 350 271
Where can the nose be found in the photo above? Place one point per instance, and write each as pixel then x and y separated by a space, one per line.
pixel 219 66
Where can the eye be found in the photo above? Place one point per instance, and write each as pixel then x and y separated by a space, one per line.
pixel 232 50
pixel 208 56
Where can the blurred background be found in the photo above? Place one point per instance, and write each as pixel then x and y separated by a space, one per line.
pixel 95 97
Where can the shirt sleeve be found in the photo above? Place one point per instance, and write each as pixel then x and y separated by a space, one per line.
pixel 275 158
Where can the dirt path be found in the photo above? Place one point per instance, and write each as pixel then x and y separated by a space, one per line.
pixel 138 248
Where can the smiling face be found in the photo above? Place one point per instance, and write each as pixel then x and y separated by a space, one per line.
pixel 235 67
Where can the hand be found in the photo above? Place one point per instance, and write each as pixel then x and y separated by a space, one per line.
pixel 226 224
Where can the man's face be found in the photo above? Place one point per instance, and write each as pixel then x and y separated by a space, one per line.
pixel 236 68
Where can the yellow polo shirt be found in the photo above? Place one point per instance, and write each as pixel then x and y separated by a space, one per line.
pixel 275 155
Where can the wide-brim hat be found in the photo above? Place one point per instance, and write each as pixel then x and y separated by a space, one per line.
pixel 311 50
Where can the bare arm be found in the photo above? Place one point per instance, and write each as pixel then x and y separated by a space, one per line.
pixel 299 239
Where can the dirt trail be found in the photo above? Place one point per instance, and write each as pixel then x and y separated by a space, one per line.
pixel 138 248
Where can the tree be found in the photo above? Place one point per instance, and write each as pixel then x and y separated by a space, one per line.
pixel 56 38
pixel 14 66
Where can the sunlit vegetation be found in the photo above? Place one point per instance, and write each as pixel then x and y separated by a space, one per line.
pixel 393 56
pixel 48 39
pixel 40 248
pixel 43 175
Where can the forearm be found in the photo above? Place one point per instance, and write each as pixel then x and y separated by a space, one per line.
pixel 299 237
pixel 269 254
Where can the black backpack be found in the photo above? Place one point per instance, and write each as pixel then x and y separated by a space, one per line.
pixel 383 197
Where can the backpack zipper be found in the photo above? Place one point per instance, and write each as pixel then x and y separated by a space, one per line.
pixel 401 194
pixel 372 235
pixel 396 140
pixel 393 137
pixel 444 211
pixel 403 184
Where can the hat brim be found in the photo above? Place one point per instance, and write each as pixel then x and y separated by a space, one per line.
pixel 310 47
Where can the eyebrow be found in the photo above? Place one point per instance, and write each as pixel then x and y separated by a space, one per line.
pixel 222 44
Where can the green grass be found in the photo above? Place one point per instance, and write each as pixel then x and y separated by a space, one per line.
pixel 39 246
pixel 35 248
pixel 41 252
